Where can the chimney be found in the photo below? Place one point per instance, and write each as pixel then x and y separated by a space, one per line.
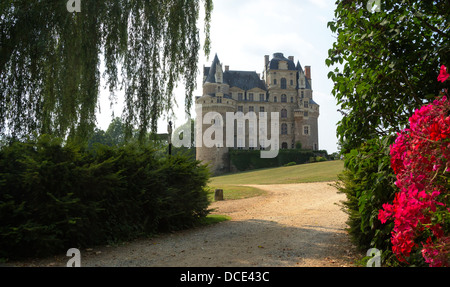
pixel 291 58
pixel 308 72
pixel 227 68
pixel 266 61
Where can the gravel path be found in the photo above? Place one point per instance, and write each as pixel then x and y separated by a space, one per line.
pixel 292 225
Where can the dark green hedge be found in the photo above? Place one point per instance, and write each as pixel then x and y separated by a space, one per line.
pixel 251 159
pixel 368 182
pixel 55 197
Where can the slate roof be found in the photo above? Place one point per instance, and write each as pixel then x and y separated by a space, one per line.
pixel 244 80
pixel 211 78
pixel 247 80
pixel 300 69
pixel 277 57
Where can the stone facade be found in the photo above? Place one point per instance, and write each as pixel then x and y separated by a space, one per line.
pixel 284 87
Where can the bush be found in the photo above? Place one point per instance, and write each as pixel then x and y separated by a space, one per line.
pixel 54 197
pixel 251 159
pixel 368 182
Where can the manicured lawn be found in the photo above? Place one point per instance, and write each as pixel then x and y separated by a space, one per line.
pixel 311 172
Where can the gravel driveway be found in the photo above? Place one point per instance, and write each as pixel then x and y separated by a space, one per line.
pixel 292 225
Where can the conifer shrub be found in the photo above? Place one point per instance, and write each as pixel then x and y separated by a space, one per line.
pixel 56 196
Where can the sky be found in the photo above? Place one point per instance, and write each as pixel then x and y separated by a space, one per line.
pixel 243 31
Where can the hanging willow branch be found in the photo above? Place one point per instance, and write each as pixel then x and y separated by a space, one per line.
pixel 50 61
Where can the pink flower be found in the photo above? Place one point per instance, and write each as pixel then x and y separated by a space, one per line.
pixel 443 75
pixel 417 156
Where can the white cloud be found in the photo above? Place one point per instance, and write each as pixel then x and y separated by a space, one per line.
pixel 323 4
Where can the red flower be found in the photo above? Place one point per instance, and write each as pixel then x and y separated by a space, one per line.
pixel 443 75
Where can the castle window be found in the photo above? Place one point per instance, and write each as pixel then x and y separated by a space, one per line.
pixel 292 99
pixel 306 130
pixel 284 146
pixel 284 114
pixel 251 108
pixel 275 99
pixel 292 82
pixel 250 97
pixel 305 114
pixel 274 81
pixel 240 109
pixel 284 129
pixel 303 94
pixel 283 84
pixel 240 96
pixel 305 105
pixel 219 100
pixel 283 98
pixel 261 110
pixel 261 97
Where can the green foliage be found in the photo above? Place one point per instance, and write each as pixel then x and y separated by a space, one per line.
pixel 368 183
pixel 54 197
pixel 50 62
pixel 386 64
pixel 251 159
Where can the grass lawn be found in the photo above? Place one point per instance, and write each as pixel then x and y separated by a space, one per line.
pixel 312 172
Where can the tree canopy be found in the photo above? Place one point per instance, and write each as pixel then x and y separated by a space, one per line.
pixel 389 61
pixel 50 62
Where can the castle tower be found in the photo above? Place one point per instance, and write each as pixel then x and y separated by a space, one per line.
pixel 307 114
pixel 211 109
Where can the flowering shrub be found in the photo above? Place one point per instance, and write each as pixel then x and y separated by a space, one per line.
pixel 420 158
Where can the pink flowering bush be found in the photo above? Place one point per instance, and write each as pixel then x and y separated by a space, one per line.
pixel 420 158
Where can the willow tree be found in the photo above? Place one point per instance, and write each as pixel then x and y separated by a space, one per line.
pixel 50 61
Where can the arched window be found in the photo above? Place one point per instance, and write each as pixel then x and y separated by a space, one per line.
pixel 283 98
pixel 284 146
pixel 283 84
pixel 284 129
pixel 275 99
pixel 284 114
